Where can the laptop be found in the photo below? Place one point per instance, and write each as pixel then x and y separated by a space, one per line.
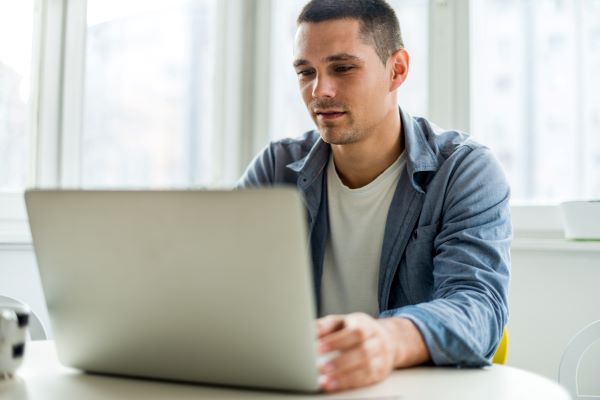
pixel 198 286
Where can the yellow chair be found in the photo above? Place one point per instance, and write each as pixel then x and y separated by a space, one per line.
pixel 502 350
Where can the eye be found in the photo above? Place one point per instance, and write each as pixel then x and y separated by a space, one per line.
pixel 343 68
pixel 305 72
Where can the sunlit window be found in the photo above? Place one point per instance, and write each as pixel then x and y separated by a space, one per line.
pixel 536 94
pixel 16 27
pixel 148 93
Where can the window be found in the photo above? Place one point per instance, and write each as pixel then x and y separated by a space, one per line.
pixel 289 117
pixel 16 28
pixel 16 112
pixel 148 94
pixel 182 93
pixel 414 24
pixel 535 94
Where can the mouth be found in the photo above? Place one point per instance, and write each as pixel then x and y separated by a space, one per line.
pixel 329 115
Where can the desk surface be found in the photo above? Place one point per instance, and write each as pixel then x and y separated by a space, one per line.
pixel 42 377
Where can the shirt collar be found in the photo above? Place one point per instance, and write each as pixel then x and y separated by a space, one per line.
pixel 420 158
pixel 311 166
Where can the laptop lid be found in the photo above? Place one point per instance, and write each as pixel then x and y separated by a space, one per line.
pixel 202 286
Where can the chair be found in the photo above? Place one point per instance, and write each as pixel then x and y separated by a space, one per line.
pixel 36 328
pixel 502 351
pixel 571 358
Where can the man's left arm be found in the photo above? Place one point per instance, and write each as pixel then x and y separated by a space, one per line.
pixel 463 322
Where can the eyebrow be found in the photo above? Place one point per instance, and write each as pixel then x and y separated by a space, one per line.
pixel 332 58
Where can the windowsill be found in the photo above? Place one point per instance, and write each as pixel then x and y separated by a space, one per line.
pixel 551 241
pixel 14 234
pixel 14 228
pixel 544 236
pixel 540 228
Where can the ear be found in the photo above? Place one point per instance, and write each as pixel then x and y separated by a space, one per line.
pixel 399 62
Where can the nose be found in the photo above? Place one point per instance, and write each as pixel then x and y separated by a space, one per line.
pixel 323 86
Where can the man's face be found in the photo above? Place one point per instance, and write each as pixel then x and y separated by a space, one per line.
pixel 343 82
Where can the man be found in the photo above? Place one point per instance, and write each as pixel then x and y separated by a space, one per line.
pixel 409 225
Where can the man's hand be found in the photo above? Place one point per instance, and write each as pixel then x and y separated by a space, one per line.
pixel 369 349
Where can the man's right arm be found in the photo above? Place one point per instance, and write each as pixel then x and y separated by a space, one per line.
pixel 260 172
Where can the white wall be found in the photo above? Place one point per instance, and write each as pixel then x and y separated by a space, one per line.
pixel 555 291
pixel 19 278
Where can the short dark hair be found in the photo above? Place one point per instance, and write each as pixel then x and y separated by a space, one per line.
pixel 378 22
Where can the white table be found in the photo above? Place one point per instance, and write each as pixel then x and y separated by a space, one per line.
pixel 42 377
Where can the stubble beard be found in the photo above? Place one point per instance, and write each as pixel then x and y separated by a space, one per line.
pixel 332 133
pixel 339 136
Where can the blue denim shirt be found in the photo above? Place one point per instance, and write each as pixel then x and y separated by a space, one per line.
pixel 445 261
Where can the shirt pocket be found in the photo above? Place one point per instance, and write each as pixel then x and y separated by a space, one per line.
pixel 417 276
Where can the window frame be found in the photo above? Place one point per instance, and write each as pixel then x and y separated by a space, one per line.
pixel 244 27
pixel 43 117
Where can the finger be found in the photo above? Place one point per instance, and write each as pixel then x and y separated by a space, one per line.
pixel 351 335
pixel 354 358
pixel 354 378
pixel 329 324
pixel 375 372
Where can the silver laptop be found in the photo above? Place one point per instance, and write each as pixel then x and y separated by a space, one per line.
pixel 199 286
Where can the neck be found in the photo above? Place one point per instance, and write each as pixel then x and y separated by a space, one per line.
pixel 360 163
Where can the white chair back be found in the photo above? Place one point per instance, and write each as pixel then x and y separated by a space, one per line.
pixel 36 328
pixel 571 358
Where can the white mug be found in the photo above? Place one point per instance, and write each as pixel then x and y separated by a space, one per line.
pixel 14 320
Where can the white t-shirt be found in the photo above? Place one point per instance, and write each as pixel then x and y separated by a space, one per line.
pixel 356 226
